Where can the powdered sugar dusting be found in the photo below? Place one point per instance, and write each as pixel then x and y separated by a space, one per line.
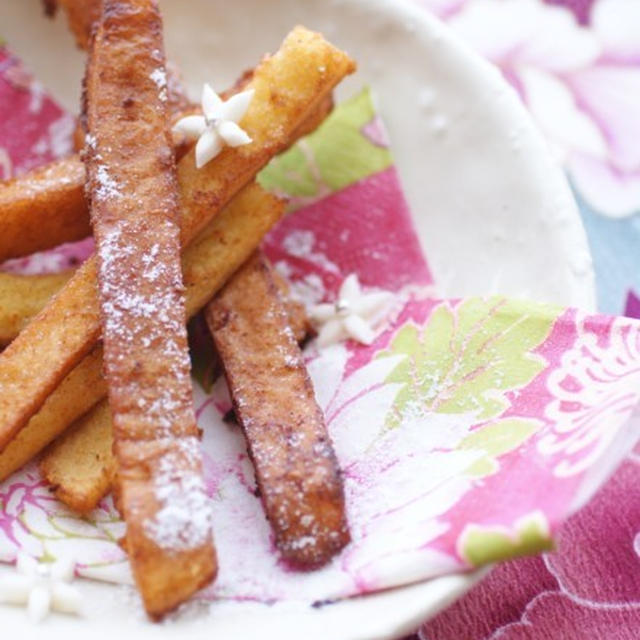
pixel 157 300
pixel 106 187
pixel 146 357
pixel 308 289
pixel 184 520
pixel 159 76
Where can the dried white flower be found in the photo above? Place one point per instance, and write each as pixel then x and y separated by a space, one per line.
pixel 41 587
pixel 353 315
pixel 217 126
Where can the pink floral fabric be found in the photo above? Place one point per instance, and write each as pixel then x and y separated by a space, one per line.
pixel 581 82
pixel 466 432
pixel 431 392
pixel 588 588
pixel 576 65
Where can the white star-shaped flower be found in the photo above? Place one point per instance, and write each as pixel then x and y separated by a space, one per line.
pixel 353 315
pixel 217 126
pixel 42 587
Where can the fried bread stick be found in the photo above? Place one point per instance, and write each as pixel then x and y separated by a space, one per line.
pixel 43 208
pixel 207 263
pixel 133 191
pixel 80 465
pixel 289 87
pixel 22 297
pixel 296 468
pixel 27 228
pixel 76 394
pixel 46 207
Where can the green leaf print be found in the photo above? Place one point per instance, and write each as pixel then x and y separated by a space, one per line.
pixel 468 356
pixel 480 545
pixel 334 156
pixel 495 439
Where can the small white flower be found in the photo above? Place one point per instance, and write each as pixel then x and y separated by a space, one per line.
pixel 41 587
pixel 353 315
pixel 217 126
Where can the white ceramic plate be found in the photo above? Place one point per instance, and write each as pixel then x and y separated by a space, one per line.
pixel 493 211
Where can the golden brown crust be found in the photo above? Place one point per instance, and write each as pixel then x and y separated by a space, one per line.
pixel 178 104
pixel 296 469
pixel 324 108
pixel 79 138
pixel 58 338
pixel 75 395
pixel 83 473
pixel 46 207
pixel 133 192
pixel 46 350
pixel 207 263
pixel 42 209
pixel 78 464
pixel 289 88
pixel 22 297
pixel 28 202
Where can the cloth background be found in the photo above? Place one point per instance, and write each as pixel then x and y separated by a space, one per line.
pixel 576 65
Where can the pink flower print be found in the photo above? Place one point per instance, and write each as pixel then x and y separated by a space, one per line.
pixel 581 85
pixel 595 389
pixel 587 588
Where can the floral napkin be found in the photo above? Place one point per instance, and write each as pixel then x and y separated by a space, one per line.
pixel 576 66
pixel 467 432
